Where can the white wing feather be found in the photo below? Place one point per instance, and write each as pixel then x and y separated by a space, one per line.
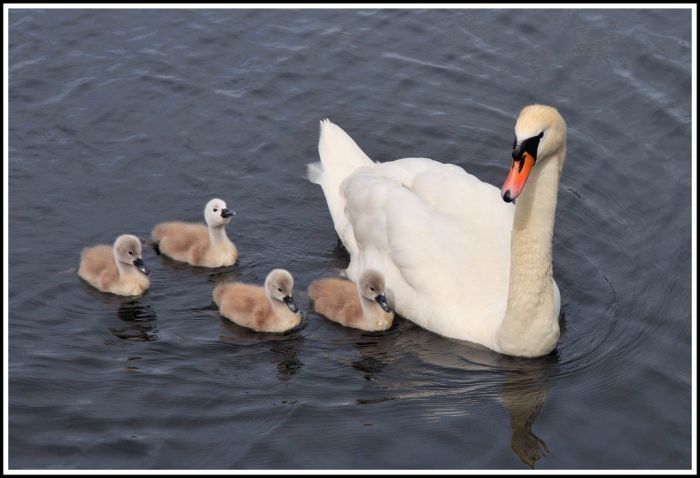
pixel 439 235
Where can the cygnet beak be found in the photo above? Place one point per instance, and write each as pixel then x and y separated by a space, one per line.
pixel 225 212
pixel 291 304
pixel 138 263
pixel 381 300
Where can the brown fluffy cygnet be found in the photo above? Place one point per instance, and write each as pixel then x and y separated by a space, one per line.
pixel 197 244
pixel 265 309
pixel 362 306
pixel 118 269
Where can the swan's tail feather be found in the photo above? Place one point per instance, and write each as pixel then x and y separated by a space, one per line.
pixel 339 153
pixel 340 157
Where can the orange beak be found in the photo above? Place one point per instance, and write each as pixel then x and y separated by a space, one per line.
pixel 517 176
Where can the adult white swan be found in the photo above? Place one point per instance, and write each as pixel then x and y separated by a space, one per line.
pixel 459 257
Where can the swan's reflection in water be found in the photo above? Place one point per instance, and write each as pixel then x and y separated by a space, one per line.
pixel 449 377
pixel 138 322
pixel 284 347
pixel 524 394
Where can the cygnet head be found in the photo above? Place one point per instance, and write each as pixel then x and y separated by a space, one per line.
pixel 279 285
pixel 372 287
pixel 216 214
pixel 540 131
pixel 127 250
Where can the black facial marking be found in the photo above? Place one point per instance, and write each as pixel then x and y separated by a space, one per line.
pixel 527 146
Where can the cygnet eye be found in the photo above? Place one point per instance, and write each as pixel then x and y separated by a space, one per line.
pixel 131 253
pixel 215 209
pixel 372 289
pixel 279 289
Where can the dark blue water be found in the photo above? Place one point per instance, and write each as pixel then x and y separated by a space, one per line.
pixel 120 119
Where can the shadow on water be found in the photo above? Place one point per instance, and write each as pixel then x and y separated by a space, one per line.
pixel 286 355
pixel 284 347
pixel 454 376
pixel 338 258
pixel 138 322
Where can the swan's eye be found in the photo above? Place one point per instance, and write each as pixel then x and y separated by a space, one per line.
pixel 279 289
pixel 131 253
pixel 372 289
pixel 215 209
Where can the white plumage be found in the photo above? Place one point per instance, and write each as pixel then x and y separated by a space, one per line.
pixel 440 236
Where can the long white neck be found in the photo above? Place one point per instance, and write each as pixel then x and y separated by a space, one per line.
pixel 531 326
pixel 217 235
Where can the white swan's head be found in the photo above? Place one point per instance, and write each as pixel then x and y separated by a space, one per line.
pixel 216 214
pixel 127 250
pixel 279 285
pixel 372 287
pixel 539 133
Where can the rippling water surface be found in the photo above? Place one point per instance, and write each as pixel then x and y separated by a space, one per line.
pixel 120 119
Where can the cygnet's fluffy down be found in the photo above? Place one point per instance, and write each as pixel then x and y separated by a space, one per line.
pixel 118 269
pixel 362 306
pixel 265 309
pixel 197 244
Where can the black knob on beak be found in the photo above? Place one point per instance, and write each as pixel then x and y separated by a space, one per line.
pixel 517 152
